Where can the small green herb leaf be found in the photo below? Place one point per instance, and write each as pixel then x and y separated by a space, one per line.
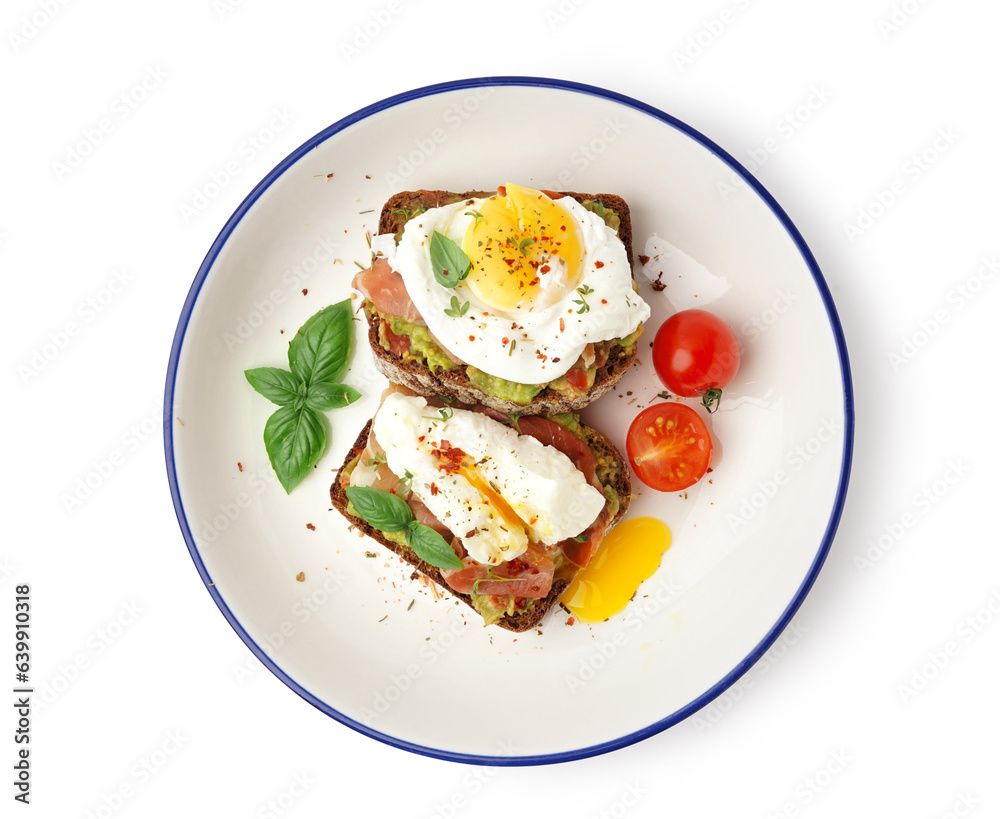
pixel 323 396
pixel 320 348
pixel 457 309
pixel 448 260
pixel 295 439
pixel 583 290
pixel 477 216
pixel 581 538
pixel 380 509
pixel 523 245
pixel 430 547
pixel 276 385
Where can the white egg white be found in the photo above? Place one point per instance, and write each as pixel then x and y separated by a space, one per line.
pixel 534 479
pixel 549 335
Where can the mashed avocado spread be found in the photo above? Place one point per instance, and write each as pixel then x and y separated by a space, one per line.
pixel 422 349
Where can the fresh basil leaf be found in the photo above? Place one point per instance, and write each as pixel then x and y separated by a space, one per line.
pixel 323 396
pixel 378 508
pixel 276 385
pixel 448 260
pixel 320 348
pixel 295 439
pixel 430 547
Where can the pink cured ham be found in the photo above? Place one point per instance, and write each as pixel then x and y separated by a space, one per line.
pixel 384 288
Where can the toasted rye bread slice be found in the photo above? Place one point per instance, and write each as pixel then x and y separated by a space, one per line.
pixel 455 383
pixel 520 621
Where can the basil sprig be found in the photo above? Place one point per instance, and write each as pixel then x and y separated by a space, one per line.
pixel 448 260
pixel 295 435
pixel 390 513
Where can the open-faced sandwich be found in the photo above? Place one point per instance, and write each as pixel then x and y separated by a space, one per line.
pixel 519 300
pixel 500 511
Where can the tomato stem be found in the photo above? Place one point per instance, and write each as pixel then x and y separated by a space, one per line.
pixel 710 399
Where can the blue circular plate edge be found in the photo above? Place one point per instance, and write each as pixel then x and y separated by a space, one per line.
pixel 832 523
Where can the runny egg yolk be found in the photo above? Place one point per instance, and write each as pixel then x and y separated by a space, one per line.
pixel 628 555
pixel 516 241
pixel 492 497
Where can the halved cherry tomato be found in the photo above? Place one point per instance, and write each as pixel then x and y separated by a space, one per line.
pixel 669 447
pixel 696 353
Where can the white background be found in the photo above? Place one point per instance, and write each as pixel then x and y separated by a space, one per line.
pixel 880 701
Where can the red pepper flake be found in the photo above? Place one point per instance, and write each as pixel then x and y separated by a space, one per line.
pixel 541 356
pixel 305 291
pixel 643 259
pixel 505 341
pixel 472 338
pixel 310 527
pixel 570 621
pixel 367 176
pixel 598 265
pixel 450 457
pixel 562 325
pixel 434 488
pixel 421 438
pixel 604 301
pixel 562 227
pixel 544 268
pixel 471 533
pixel 240 465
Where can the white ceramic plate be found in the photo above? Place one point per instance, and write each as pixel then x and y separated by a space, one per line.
pixel 377 652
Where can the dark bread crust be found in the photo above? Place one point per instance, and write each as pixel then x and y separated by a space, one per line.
pixel 393 215
pixel 521 621
pixel 455 383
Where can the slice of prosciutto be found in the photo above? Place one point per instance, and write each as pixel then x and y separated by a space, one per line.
pixel 384 288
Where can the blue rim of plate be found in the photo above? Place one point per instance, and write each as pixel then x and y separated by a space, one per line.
pixel 831 528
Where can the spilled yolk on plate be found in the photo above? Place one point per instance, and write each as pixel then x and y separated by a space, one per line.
pixel 629 555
